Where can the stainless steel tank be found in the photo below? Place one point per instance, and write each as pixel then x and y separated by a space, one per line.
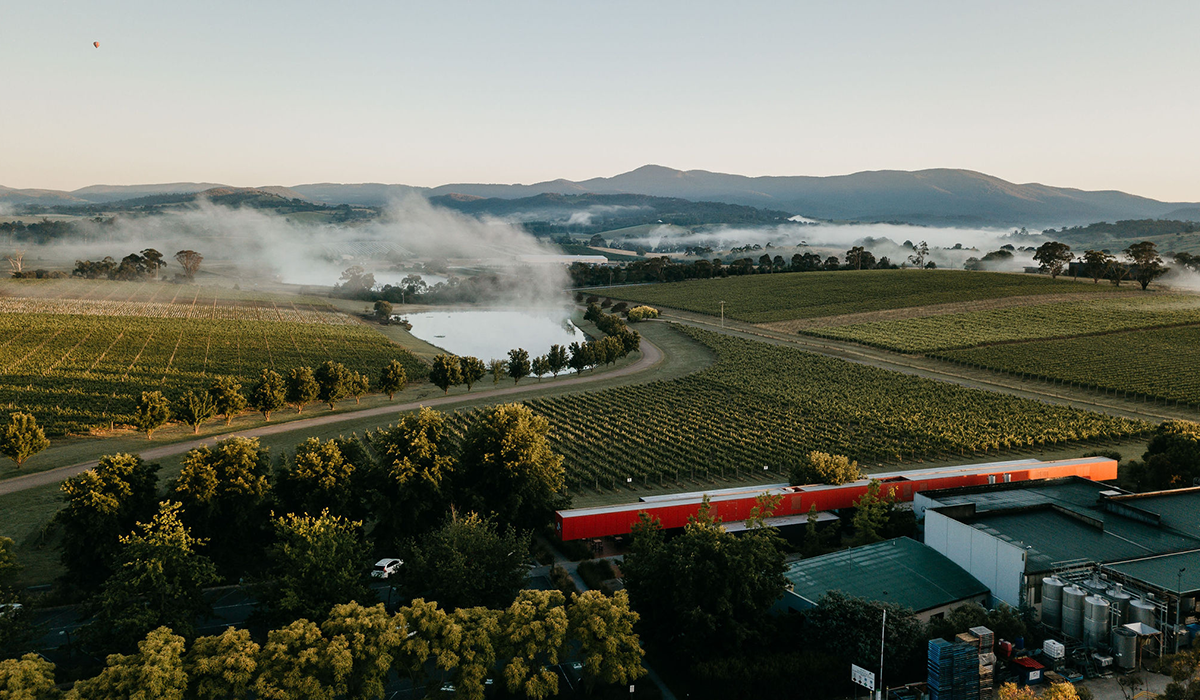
pixel 1125 644
pixel 1120 600
pixel 1052 589
pixel 1143 612
pixel 1095 620
pixel 1072 611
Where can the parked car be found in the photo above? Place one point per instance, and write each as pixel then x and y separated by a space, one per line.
pixel 384 568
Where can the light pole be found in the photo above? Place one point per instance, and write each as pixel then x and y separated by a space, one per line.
pixel 722 313
pixel 882 637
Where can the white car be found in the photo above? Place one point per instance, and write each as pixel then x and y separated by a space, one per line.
pixel 386 567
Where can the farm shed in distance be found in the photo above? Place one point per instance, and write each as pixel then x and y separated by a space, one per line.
pixel 901 571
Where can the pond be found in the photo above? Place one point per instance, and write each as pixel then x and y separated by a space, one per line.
pixel 491 333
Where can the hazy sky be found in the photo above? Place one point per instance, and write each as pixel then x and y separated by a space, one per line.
pixel 1095 95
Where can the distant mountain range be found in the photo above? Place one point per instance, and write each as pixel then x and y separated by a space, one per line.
pixel 936 197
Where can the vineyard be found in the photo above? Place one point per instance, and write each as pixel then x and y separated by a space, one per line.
pixel 152 291
pixel 784 297
pixel 74 372
pixel 762 405
pixel 1159 364
pixel 1061 320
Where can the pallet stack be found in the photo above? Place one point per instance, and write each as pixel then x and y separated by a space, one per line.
pixel 953 670
pixel 987 661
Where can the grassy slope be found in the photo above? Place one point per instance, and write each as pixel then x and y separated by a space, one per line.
pixel 783 297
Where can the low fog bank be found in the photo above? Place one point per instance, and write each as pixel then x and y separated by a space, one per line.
pixel 251 245
pixel 948 247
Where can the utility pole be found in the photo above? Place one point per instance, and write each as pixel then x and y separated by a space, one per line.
pixel 722 313
pixel 882 637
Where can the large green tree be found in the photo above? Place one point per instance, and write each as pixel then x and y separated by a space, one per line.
pixel 472 369
pixel 1096 263
pixel 468 562
pixel 222 667
pixel 1147 263
pixel 414 477
pixel 102 504
pixel 473 636
pixel 518 364
pixel 1053 257
pixel 533 636
pixel 155 671
pixel 428 635
pixel 445 372
pixel 195 407
pixel 372 636
pixel 226 393
pixel 224 490
pixel 315 563
pixel 706 592
pixel 851 627
pixel 22 438
pixel 509 468
pixel 297 662
pixel 392 379
pixel 302 388
pixel 152 412
pixel 269 393
pixel 823 468
pixel 603 628
pixel 556 359
pixel 28 678
pixel 334 381
pixel 319 477
pixel 158 583
pixel 1171 460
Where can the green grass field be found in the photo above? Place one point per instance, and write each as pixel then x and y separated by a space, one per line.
pixel 74 372
pixel 1158 363
pixel 1039 321
pixel 762 404
pixel 790 296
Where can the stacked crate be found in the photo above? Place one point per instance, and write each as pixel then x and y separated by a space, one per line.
pixel 953 670
pixel 940 664
pixel 987 661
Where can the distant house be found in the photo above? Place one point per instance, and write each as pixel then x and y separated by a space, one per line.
pixel 901 571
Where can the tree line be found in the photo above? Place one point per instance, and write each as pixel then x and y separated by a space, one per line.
pixel 665 269
pixel 356 650
pixel 138 266
pixel 1142 264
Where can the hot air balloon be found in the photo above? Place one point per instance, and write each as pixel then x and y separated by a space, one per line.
pixel 96 44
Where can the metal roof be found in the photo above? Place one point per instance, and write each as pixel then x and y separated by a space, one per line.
pixel 1070 492
pixel 901 571
pixel 1163 571
pixel 1052 536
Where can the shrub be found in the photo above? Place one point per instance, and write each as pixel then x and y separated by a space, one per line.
pixel 641 313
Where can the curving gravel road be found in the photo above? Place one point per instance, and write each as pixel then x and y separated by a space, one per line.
pixel 651 357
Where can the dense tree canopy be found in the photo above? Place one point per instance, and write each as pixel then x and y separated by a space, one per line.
pixel 468 562
pixel 509 469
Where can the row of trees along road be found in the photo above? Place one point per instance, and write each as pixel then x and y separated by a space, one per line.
pixel 304 525
pixel 619 341
pixel 355 649
pixel 329 383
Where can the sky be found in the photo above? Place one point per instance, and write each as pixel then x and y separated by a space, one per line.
pixel 1094 95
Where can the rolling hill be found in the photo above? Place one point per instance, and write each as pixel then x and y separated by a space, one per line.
pixel 934 197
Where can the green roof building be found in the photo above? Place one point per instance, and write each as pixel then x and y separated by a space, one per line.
pixel 901 571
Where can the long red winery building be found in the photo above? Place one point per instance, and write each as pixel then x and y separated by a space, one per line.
pixel 734 504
